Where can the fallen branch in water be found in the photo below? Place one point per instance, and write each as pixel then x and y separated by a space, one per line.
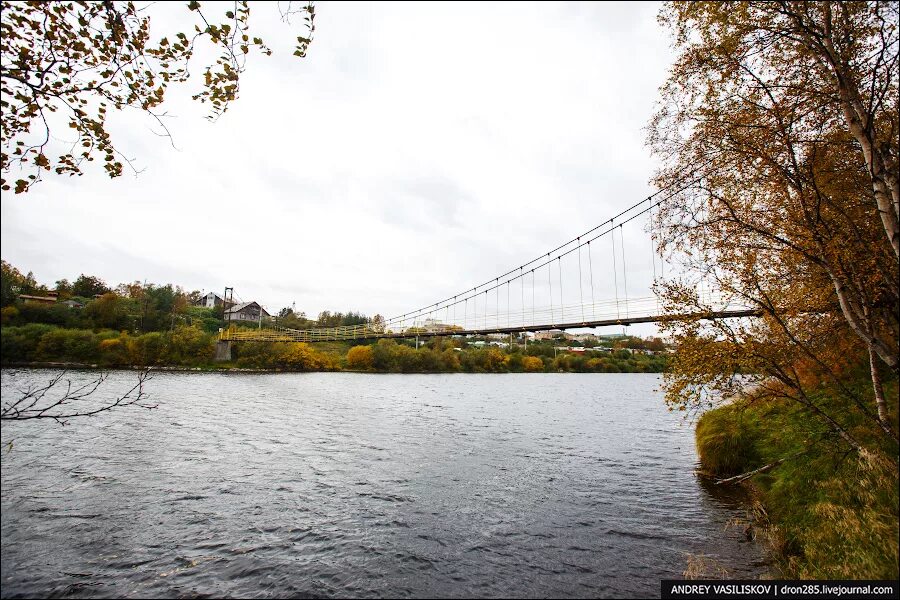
pixel 762 469
pixel 34 402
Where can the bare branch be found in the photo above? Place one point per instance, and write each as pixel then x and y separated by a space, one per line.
pixel 48 401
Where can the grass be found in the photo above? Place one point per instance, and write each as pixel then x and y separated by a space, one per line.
pixel 831 513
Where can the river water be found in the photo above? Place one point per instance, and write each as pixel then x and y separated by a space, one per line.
pixel 340 484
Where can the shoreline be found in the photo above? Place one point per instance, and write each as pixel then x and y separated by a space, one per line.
pixel 172 368
pixel 231 369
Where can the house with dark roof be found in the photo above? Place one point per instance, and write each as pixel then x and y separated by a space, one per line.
pixel 246 311
pixel 210 300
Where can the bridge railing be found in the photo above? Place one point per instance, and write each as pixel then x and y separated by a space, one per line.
pixel 318 334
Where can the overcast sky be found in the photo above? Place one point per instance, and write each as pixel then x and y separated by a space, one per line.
pixel 418 150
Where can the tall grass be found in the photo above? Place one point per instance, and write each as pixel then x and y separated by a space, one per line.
pixel 829 512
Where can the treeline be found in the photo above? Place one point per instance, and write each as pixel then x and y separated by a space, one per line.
pixel 288 318
pixel 89 303
pixel 191 346
pixel 39 342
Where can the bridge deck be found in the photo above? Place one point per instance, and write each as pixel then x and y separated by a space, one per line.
pixel 365 332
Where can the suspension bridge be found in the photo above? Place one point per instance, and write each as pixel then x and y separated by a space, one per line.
pixel 558 290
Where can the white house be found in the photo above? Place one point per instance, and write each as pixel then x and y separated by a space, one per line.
pixel 248 311
pixel 210 300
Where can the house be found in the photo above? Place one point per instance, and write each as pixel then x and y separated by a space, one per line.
pixel 433 325
pixel 28 299
pixel 585 337
pixel 210 300
pixel 553 334
pixel 73 304
pixel 246 311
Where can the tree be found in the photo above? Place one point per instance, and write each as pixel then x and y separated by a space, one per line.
pixel 11 280
pixel 778 132
pixel 107 311
pixel 88 286
pixel 64 289
pixel 66 65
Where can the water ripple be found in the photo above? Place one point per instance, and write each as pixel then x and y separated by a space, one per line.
pixel 349 485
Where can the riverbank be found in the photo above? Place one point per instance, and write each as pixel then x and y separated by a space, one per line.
pixel 826 511
pixel 224 367
pixel 190 348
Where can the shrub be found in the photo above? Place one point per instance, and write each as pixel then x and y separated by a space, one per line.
pixel 725 441
pixel 532 364
pixel 8 315
pixel 361 358
pixel 147 349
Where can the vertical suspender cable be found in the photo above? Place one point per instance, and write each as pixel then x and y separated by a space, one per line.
pixel 532 297
pixel 612 236
pixel 580 284
pixel 624 271
pixel 508 307
pixel 562 300
pixel 653 258
pixel 550 283
pixel 591 265
pixel 522 281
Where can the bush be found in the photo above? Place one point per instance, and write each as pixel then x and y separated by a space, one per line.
pixel 303 357
pixel 361 358
pixel 190 346
pixel 725 442
pixel 147 349
pixel 532 364
pixel 19 344
pixel 76 345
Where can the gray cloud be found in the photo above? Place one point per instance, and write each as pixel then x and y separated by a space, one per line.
pixel 418 150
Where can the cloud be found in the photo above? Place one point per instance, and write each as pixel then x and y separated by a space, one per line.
pixel 418 150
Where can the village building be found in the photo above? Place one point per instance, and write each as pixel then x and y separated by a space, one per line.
pixel 246 311
pixel 29 299
pixel 210 300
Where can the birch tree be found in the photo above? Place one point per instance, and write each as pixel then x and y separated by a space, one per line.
pixel 779 121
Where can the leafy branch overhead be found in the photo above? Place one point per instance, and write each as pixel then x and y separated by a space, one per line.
pixel 67 65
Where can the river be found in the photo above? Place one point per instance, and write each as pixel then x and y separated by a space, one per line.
pixel 343 484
